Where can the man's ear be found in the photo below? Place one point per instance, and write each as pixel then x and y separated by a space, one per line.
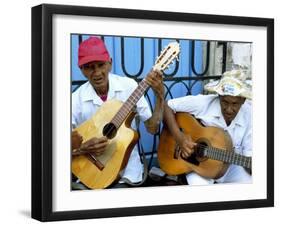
pixel 110 64
pixel 82 72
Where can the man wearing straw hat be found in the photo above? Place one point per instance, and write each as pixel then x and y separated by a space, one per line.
pixel 228 108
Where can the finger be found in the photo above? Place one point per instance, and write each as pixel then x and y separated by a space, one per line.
pixel 186 149
pixel 158 72
pixel 155 84
pixel 94 151
pixel 99 146
pixel 149 80
pixel 157 77
pixel 153 76
pixel 75 153
pixel 102 139
pixel 94 141
pixel 184 155
pixel 87 145
pixel 191 145
pixel 99 152
pixel 75 132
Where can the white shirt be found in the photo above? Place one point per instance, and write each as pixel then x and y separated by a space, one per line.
pixel 85 102
pixel 207 108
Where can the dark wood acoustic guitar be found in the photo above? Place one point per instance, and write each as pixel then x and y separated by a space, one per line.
pixel 212 155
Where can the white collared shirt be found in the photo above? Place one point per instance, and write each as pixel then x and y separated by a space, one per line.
pixel 85 102
pixel 207 108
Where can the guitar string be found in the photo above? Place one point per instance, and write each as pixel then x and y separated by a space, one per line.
pixel 140 87
pixel 221 153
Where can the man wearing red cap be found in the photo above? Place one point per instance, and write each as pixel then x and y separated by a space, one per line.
pixel 95 63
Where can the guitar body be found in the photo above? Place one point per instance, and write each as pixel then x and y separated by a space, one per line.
pixel 113 119
pixel 210 136
pixel 117 153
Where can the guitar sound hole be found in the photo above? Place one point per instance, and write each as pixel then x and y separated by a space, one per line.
pixel 199 150
pixel 109 130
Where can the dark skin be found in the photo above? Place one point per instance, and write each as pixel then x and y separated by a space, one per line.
pixel 230 106
pixel 97 73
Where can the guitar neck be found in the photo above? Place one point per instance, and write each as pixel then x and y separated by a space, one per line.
pixel 162 62
pixel 228 157
pixel 130 103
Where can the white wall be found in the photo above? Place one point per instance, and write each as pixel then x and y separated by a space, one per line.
pixel 15 110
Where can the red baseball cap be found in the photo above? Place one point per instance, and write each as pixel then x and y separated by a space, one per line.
pixel 92 49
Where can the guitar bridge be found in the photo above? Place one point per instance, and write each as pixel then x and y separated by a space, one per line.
pixel 95 161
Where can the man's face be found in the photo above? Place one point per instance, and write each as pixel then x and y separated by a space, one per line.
pixel 97 74
pixel 230 106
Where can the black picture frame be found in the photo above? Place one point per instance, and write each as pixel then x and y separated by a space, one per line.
pixel 42 107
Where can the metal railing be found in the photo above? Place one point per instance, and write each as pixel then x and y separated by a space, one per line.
pixel 187 82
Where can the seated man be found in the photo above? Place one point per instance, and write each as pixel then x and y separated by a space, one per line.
pixel 95 64
pixel 230 109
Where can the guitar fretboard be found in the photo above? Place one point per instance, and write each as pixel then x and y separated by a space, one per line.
pixel 228 157
pixel 128 106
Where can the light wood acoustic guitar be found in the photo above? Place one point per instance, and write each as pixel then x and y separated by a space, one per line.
pixel 113 120
pixel 211 157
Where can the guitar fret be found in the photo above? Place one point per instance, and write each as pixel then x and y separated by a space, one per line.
pixel 240 160
pixel 212 153
pixel 228 157
pixel 234 158
pixel 129 104
pixel 215 153
pixel 249 162
pixel 119 119
pixel 245 162
pixel 218 155
pixel 115 122
pixel 224 156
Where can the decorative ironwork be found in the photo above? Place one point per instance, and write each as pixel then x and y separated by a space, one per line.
pixel 187 82
pixel 193 60
pixel 123 63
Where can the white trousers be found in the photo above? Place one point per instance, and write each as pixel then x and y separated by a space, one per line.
pixel 234 174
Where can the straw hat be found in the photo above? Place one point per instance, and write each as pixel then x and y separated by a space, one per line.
pixel 232 83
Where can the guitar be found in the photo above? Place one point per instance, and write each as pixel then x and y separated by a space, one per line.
pixel 113 120
pixel 211 157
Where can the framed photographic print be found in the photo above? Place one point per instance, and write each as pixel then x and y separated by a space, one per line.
pixel 91 69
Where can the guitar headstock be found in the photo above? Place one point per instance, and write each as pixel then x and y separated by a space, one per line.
pixel 167 56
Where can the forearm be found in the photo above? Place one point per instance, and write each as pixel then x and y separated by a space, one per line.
pixel 152 124
pixel 171 123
